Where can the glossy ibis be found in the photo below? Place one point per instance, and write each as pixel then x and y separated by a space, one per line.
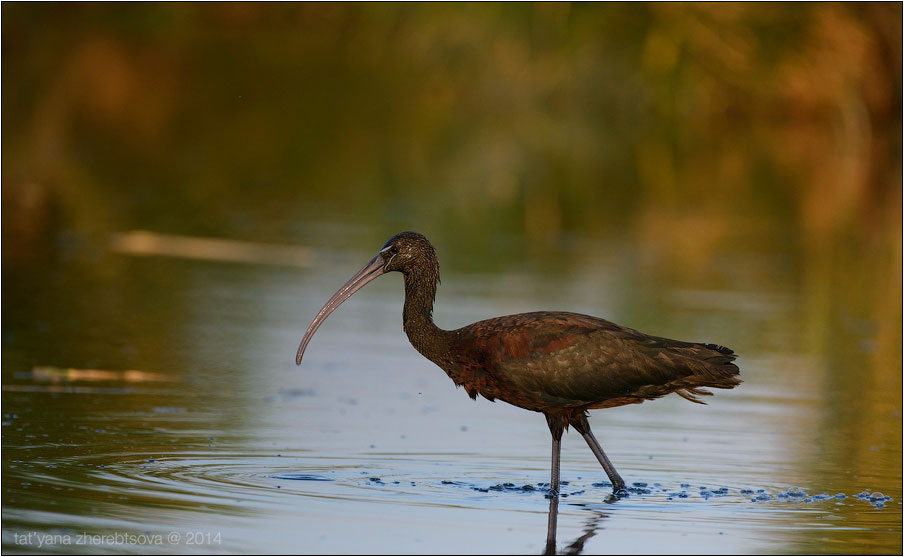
pixel 558 363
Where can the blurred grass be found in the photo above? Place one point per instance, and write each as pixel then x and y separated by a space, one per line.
pixel 531 119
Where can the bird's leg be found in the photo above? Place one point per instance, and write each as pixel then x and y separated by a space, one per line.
pixel 556 427
pixel 582 426
pixel 551 528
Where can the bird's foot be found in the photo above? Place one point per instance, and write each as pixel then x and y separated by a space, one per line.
pixel 616 495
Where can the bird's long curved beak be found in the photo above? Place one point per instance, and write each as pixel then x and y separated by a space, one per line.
pixel 368 273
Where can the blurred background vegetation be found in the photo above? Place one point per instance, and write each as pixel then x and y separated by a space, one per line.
pixel 517 130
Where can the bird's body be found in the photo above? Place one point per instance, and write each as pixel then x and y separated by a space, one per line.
pixel 558 363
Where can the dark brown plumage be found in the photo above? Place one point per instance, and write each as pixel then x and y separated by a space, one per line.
pixel 558 363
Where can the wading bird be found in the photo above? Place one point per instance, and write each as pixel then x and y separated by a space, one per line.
pixel 558 363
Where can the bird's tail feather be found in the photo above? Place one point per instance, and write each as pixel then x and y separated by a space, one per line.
pixel 689 393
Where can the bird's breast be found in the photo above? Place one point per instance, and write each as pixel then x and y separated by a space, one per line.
pixel 484 367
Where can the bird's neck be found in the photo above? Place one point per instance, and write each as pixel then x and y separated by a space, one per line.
pixel 417 316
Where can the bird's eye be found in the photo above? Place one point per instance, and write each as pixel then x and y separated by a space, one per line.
pixel 393 250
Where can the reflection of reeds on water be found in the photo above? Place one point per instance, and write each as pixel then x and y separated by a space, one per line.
pixel 49 379
pixel 143 243
pixel 56 374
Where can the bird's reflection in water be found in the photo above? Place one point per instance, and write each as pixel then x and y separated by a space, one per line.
pixel 590 529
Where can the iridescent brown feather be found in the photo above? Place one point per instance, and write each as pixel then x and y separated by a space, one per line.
pixel 545 361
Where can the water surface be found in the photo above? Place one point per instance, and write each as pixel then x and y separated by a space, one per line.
pixel 152 405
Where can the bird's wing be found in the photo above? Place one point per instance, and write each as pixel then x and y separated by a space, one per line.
pixel 576 360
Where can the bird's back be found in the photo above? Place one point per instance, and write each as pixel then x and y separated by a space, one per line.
pixel 554 360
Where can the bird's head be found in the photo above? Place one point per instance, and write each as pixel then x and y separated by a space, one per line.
pixel 405 252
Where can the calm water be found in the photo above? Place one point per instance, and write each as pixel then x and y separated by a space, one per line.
pixel 155 401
